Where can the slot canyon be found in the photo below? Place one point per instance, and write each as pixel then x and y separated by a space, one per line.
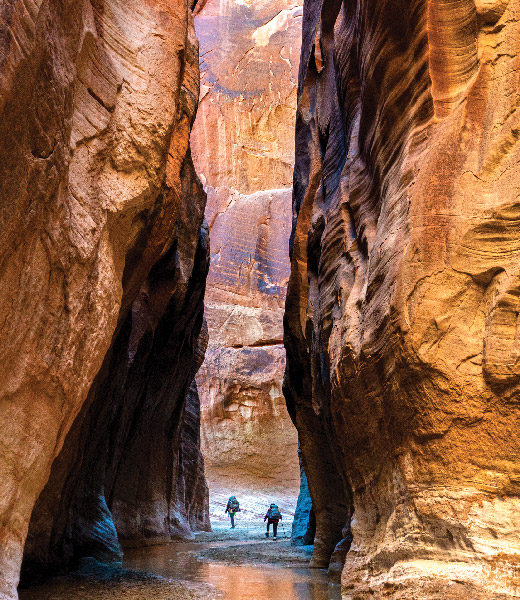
pixel 266 248
pixel 243 149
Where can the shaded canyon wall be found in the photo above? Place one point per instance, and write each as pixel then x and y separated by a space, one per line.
pixel 243 149
pixel 403 302
pixel 103 257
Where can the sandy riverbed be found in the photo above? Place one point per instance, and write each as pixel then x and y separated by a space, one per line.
pixel 186 570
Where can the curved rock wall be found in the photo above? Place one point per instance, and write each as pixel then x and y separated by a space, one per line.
pixel 243 149
pixel 402 307
pixel 97 98
pixel 131 470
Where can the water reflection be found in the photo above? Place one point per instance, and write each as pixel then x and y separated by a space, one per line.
pixel 237 582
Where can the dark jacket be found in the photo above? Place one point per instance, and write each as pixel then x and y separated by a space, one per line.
pixel 228 509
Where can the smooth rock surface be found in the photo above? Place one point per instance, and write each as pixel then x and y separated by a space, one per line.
pixel 304 525
pixel 243 150
pixel 403 302
pixel 97 98
pixel 134 450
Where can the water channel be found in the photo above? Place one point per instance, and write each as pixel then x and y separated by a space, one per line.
pixel 243 581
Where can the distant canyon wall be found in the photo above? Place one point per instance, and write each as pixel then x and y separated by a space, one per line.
pixel 103 257
pixel 403 302
pixel 243 149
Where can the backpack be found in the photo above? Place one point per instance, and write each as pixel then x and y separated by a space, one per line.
pixel 274 513
pixel 234 505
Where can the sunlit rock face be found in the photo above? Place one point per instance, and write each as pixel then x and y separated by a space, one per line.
pixel 130 471
pixel 403 302
pixel 101 221
pixel 243 149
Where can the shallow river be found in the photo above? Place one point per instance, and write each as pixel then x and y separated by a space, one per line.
pixel 236 582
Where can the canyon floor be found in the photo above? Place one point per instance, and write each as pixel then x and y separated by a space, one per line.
pixel 226 564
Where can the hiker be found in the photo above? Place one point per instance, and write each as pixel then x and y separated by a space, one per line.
pixel 273 515
pixel 233 506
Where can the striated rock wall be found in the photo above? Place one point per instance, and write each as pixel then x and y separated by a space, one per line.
pixel 243 149
pixel 402 307
pixel 131 470
pixel 101 213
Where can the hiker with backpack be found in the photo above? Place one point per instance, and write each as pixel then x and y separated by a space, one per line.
pixel 272 516
pixel 233 506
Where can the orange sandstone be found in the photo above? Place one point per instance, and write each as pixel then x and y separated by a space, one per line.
pixel 402 307
pixel 243 149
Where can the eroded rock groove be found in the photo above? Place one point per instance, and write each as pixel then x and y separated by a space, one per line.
pixel 402 304
pixel 103 259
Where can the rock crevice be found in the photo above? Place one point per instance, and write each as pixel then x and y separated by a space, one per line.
pixel 243 150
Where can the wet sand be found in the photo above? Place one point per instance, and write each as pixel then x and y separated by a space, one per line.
pixel 97 581
pixel 239 564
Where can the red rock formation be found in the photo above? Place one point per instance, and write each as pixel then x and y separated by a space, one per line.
pixel 97 98
pixel 403 299
pixel 133 453
pixel 248 440
pixel 243 149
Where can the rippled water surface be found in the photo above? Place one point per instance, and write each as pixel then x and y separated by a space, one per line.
pixel 237 582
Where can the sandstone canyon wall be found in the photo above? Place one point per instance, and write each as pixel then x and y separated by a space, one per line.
pixel 403 302
pixel 243 149
pixel 103 257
